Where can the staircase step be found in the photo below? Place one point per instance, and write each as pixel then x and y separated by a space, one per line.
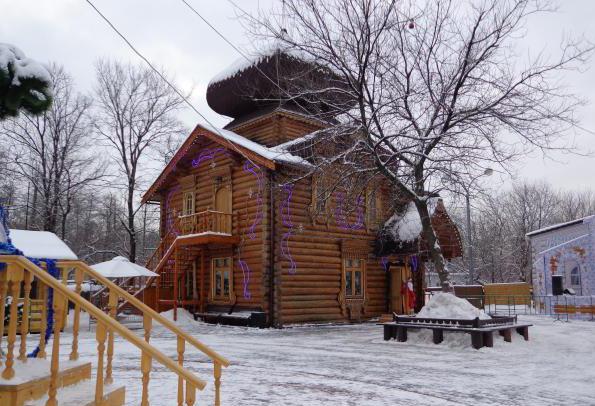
pixel 32 379
pixel 83 394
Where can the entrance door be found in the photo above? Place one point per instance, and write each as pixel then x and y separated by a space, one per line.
pixel 398 277
pixel 223 205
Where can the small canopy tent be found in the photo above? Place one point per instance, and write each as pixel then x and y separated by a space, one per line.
pixel 120 267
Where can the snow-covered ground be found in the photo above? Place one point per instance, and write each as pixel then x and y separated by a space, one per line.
pixel 352 365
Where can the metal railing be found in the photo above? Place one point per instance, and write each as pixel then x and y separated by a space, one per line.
pixel 563 307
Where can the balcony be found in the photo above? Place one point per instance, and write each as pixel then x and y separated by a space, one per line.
pixel 208 221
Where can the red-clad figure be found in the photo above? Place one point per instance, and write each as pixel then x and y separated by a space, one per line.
pixel 408 295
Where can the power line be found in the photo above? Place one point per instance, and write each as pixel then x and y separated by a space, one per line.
pixel 174 88
pixel 239 51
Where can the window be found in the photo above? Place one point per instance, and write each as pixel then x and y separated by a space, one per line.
pixel 374 207
pixel 354 277
pixel 222 278
pixel 188 204
pixel 575 277
pixel 318 198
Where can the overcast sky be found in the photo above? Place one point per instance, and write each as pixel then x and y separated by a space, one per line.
pixel 70 33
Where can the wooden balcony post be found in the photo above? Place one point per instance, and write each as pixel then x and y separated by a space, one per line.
pixel 217 375
pixel 181 348
pixel 58 306
pixel 43 295
pixel 15 276
pixel 3 294
pixel 28 277
pixel 100 335
pixel 176 268
pixel 74 354
pixel 145 367
pixel 112 306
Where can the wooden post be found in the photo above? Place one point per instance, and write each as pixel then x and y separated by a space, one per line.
pixel 202 280
pixel 43 292
pixel 25 319
pixel 176 268
pixel 58 306
pixel 15 276
pixel 147 325
pixel 145 367
pixel 100 335
pixel 217 375
pixel 78 278
pixel 190 394
pixel 112 306
pixel 3 294
pixel 181 345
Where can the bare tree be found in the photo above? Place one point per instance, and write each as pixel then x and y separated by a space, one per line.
pixel 436 90
pixel 136 112
pixel 52 153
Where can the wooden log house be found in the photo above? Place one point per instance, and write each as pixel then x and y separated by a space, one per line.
pixel 237 237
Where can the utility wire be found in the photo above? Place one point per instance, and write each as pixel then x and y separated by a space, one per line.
pixel 174 88
pixel 239 51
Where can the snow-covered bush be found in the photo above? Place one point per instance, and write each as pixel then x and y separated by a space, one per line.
pixel 24 83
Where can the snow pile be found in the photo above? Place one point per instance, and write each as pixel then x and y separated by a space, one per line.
pixel 184 316
pixel 448 306
pixel 406 226
pixel 12 58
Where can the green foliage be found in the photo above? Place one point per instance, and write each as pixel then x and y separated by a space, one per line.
pixel 28 93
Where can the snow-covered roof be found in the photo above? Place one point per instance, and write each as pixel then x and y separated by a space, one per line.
pixel 274 154
pixel 406 226
pixel 249 61
pixel 24 68
pixel 561 225
pixel 121 267
pixel 41 244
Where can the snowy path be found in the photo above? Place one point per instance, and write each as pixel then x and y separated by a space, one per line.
pixel 352 365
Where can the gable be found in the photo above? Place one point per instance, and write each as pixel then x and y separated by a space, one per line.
pixel 228 140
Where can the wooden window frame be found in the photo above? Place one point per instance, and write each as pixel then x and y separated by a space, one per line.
pixel 349 272
pixel 223 298
pixel 188 211
pixel 373 220
pixel 317 215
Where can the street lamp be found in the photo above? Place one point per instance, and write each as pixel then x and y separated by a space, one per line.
pixel 486 172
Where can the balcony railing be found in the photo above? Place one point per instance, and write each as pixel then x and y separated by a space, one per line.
pixel 205 221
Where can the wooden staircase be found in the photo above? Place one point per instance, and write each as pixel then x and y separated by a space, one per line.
pixel 51 378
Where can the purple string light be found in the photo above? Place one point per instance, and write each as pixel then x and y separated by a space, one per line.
pixel 384 262
pixel 286 219
pixel 414 262
pixel 253 169
pixel 246 275
pixel 208 154
pixel 342 218
pixel 246 271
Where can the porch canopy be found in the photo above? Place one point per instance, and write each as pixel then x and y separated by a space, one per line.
pixel 120 267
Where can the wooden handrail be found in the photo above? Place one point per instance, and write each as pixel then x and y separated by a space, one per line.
pixel 110 323
pixel 148 311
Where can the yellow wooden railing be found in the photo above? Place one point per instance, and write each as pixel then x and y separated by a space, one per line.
pixel 117 294
pixel 205 221
pixel 19 276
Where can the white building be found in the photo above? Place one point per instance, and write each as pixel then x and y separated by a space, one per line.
pixel 565 249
